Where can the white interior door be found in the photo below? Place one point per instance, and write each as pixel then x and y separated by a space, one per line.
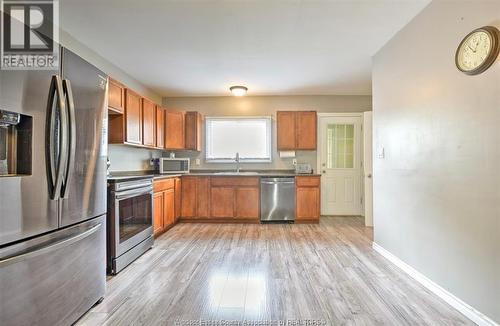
pixel 340 165
pixel 368 168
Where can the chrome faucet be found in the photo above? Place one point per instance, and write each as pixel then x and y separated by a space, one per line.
pixel 237 160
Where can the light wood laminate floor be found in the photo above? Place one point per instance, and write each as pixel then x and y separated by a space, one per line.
pixel 326 271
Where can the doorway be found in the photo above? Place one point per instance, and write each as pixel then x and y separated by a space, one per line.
pixel 340 162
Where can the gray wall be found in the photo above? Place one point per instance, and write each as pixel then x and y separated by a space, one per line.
pixel 265 106
pixel 123 158
pixel 437 191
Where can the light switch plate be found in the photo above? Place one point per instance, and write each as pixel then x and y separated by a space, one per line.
pixel 381 152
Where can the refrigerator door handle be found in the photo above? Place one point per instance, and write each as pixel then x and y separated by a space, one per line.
pixel 56 136
pixel 60 243
pixel 72 137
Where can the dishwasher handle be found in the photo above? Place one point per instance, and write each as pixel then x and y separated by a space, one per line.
pixel 277 182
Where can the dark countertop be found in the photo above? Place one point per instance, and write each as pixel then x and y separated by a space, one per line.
pixel 130 175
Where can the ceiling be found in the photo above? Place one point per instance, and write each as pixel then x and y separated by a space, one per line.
pixel 201 48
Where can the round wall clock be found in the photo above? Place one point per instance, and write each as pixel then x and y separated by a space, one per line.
pixel 478 50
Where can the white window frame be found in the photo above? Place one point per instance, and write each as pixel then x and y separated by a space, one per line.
pixel 269 124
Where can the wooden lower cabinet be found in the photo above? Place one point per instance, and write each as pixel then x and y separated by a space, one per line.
pixel 188 197
pixel 165 197
pixel 195 197
pixel 247 203
pixel 203 197
pixel 307 199
pixel 168 208
pixel 235 198
pixel 157 213
pixel 222 199
pixel 178 198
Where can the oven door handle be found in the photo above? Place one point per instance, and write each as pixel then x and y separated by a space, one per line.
pixel 133 193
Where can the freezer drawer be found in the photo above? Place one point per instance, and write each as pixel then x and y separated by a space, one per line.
pixel 53 279
pixel 277 199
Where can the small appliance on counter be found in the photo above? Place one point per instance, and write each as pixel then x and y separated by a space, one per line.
pixel 169 165
pixel 303 168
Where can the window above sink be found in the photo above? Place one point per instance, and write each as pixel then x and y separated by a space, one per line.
pixel 251 137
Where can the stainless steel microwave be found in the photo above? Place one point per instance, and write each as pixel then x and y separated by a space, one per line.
pixel 174 165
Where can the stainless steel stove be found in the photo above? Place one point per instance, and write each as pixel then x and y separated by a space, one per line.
pixel 130 220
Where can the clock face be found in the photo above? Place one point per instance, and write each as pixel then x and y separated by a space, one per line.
pixel 474 51
pixel 477 51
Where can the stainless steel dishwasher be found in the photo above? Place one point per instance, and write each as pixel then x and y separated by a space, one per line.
pixel 277 199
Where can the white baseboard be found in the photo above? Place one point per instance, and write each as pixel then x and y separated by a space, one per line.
pixel 468 311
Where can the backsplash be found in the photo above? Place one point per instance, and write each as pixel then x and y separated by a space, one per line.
pixel 128 158
pixel 277 163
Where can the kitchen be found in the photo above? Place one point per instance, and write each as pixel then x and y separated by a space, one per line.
pixel 260 163
pixel 181 194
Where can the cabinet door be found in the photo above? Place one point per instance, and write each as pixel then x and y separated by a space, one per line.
pixel 160 126
pixel 203 197
pixel 168 208
pixel 307 203
pixel 222 202
pixel 285 125
pixel 193 131
pixel 306 130
pixel 174 130
pixel 247 203
pixel 148 123
pixel 115 96
pixel 178 198
pixel 133 118
pixel 188 197
pixel 158 213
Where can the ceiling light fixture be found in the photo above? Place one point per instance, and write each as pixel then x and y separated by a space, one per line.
pixel 238 90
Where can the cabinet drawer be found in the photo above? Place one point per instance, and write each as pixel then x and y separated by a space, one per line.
pixel 307 181
pixel 234 181
pixel 164 184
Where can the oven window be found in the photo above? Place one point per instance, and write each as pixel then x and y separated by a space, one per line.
pixel 135 216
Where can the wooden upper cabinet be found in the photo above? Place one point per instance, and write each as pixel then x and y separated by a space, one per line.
pixel 285 125
pixel 116 96
pixel 193 121
pixel 296 130
pixel 305 129
pixel 148 123
pixel 133 117
pixel 174 130
pixel 160 127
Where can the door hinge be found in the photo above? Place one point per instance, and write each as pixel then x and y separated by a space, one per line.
pixel 361 200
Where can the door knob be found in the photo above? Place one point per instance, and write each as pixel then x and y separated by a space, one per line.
pixel 369 175
pixel 323 171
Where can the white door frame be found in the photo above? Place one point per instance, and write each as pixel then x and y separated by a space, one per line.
pixel 318 151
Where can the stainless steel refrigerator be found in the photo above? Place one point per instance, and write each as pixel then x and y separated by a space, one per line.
pixel 52 192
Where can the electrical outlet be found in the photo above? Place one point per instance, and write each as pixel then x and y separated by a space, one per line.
pixel 294 161
pixel 197 161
